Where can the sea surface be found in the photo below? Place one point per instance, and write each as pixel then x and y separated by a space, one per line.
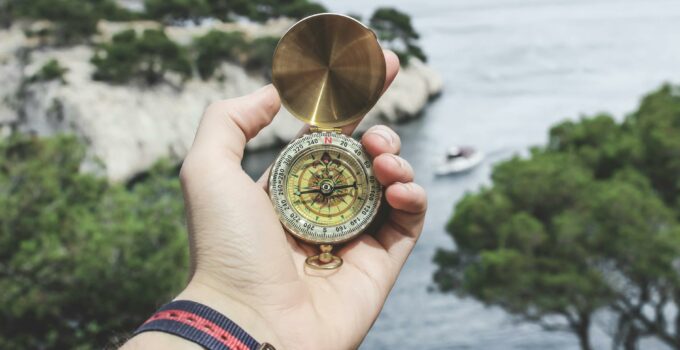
pixel 512 68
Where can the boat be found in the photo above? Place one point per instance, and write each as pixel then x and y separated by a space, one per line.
pixel 460 159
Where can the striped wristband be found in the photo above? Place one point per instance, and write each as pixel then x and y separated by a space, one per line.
pixel 202 325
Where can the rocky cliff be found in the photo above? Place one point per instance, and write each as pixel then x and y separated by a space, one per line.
pixel 129 127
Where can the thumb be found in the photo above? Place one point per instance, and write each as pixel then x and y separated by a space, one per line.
pixel 227 125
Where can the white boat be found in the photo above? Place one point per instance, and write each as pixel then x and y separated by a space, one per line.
pixel 459 160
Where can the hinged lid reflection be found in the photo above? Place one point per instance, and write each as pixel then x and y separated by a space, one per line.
pixel 329 70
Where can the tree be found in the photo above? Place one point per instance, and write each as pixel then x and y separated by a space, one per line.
pixel 82 261
pixel 657 125
pixel 228 10
pixel 582 225
pixel 216 47
pixel 260 54
pixel 6 12
pixel 177 10
pixel 52 70
pixel 263 10
pixel 394 27
pixel 507 254
pixel 74 20
pixel 130 57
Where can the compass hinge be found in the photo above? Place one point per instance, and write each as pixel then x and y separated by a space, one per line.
pixel 319 129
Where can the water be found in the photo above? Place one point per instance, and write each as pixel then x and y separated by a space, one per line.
pixel 511 69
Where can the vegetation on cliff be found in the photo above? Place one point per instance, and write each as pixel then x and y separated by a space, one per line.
pixel 395 29
pixel 82 261
pixel 588 223
pixel 173 11
pixel 147 57
pixel 74 20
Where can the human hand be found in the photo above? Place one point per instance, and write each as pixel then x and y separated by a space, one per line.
pixel 247 267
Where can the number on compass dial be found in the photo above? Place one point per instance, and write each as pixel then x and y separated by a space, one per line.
pixel 326 186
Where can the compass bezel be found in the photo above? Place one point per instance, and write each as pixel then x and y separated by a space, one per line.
pixel 307 230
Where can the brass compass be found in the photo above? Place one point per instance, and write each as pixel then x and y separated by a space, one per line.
pixel 329 70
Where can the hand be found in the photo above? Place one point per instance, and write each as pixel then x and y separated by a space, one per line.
pixel 246 266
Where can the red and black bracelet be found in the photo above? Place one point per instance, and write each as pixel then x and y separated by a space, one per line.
pixel 202 325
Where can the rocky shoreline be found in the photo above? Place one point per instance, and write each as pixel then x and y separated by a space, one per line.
pixel 128 128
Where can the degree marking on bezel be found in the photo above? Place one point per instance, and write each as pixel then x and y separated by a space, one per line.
pixel 310 231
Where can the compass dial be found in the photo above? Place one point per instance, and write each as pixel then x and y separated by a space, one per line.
pixel 323 188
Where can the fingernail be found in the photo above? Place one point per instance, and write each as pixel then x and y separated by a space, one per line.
pixel 384 133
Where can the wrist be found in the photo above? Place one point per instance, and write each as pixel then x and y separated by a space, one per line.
pixel 245 316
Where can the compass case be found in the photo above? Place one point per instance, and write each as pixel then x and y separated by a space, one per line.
pixel 329 70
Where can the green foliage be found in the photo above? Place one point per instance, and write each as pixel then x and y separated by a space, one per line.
pixel 601 143
pixel 263 10
pixel 74 20
pixel 657 124
pixel 148 57
pixel 301 8
pixel 228 10
pixel 394 27
pixel 177 10
pixel 260 54
pixel 6 11
pixel 583 224
pixel 82 260
pixel 216 47
pixel 51 70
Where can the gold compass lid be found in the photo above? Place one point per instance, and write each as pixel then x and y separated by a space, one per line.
pixel 329 70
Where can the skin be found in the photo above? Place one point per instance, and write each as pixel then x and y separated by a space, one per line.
pixel 247 267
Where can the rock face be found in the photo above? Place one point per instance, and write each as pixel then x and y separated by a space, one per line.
pixel 129 127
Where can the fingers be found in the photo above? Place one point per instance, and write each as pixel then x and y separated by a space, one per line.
pixel 227 125
pixel 391 71
pixel 377 141
pixel 391 67
pixel 381 139
pixel 405 221
pixel 407 202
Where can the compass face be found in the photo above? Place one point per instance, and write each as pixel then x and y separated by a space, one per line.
pixel 323 188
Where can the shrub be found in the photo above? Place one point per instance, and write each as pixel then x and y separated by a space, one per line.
pixel 260 54
pixel 149 57
pixel 216 47
pixel 51 70
pixel 394 28
pixel 74 20
pixel 227 10
pixel 82 261
pixel 177 10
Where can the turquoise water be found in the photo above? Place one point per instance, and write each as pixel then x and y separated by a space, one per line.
pixel 511 69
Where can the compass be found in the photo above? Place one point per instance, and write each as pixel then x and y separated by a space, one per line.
pixel 329 71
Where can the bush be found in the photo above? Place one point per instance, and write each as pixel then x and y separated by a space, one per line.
pixel 52 70
pixel 177 10
pixel 74 20
pixel 302 8
pixel 227 10
pixel 590 222
pixel 82 261
pixel 261 53
pixel 149 57
pixel 216 47
pixel 395 29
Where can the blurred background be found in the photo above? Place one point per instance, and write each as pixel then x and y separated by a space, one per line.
pixel 547 134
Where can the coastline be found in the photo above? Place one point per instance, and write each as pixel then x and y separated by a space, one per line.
pixel 127 128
